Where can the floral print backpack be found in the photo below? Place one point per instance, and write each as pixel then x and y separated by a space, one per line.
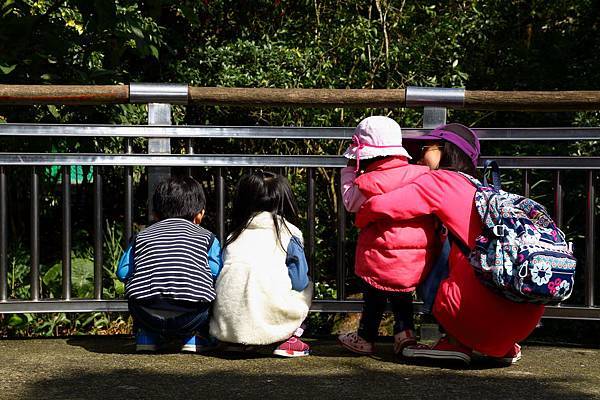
pixel 521 253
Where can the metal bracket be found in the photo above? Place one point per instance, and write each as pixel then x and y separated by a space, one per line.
pixel 438 97
pixel 169 93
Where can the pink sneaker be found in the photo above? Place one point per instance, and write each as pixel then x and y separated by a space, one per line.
pixel 513 355
pixel 442 350
pixel 356 344
pixel 404 339
pixel 293 347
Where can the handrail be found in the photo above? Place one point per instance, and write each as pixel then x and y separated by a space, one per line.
pixel 273 97
pixel 276 132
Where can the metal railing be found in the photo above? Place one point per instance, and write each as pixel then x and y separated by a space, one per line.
pixel 159 132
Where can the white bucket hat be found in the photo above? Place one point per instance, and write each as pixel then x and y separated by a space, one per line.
pixel 376 136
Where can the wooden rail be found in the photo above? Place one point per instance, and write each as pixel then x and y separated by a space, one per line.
pixel 64 94
pixel 263 97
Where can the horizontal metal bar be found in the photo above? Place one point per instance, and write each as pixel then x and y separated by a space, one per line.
pixel 547 162
pixel 51 306
pixel 274 132
pixel 171 160
pixel 88 305
pixel 272 160
pixel 572 312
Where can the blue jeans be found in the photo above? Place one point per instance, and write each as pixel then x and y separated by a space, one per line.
pixel 168 320
pixel 429 288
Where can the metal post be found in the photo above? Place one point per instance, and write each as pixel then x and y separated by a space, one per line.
pixel 128 197
pixel 310 216
pixel 159 97
pixel 3 236
pixel 341 247
pixel 158 114
pixel 526 183
pixel 98 234
pixel 35 235
pixel 558 199
pixel 434 117
pixel 220 205
pixel 66 239
pixel 590 259
pixel 190 150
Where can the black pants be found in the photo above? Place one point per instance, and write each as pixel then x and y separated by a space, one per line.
pixel 171 320
pixel 375 303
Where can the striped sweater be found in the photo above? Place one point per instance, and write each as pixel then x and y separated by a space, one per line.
pixel 171 262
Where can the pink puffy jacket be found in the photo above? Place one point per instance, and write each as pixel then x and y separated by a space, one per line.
pixel 394 255
pixel 477 317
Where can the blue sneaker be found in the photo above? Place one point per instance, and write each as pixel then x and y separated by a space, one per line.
pixel 146 341
pixel 200 344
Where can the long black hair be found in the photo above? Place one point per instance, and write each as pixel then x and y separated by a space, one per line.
pixel 262 191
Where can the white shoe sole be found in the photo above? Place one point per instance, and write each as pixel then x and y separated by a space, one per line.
pixel 146 347
pixel 190 348
pixel 436 354
pixel 286 353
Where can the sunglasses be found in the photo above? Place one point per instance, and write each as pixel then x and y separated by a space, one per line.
pixel 427 147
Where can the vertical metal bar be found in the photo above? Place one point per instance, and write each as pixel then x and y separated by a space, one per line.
pixel 590 262
pixel 526 183
pixel 3 236
pixel 434 117
pixel 220 204
pixel 66 231
pixel 310 216
pixel 158 114
pixel 558 199
pixel 128 196
pixel 98 233
pixel 341 251
pixel 190 150
pixel 35 236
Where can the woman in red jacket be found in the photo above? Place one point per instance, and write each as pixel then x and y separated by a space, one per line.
pixel 473 317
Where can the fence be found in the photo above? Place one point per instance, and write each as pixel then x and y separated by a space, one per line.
pixel 159 131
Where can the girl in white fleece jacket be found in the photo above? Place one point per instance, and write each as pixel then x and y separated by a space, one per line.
pixel 263 290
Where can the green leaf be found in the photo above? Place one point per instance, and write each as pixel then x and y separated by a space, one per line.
pixel 16 321
pixel 137 32
pixel 82 277
pixel 54 111
pixel 7 69
pixel 154 51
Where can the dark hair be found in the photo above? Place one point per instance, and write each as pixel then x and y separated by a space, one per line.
pixel 453 158
pixel 178 197
pixel 257 192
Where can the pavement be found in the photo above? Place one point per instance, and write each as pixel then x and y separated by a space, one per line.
pixel 106 367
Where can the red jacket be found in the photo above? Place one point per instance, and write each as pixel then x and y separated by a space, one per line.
pixel 477 317
pixel 394 255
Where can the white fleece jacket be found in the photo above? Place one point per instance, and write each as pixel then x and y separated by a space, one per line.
pixel 255 302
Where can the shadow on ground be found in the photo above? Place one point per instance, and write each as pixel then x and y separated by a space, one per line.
pixel 304 384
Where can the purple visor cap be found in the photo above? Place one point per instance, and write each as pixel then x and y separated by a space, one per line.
pixel 455 138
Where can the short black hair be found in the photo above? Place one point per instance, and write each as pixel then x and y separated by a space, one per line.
pixel 178 197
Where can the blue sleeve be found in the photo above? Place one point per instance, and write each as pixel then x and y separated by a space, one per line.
pixel 215 261
pixel 297 265
pixel 126 267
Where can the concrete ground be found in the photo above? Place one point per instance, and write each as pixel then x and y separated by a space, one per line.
pixel 96 367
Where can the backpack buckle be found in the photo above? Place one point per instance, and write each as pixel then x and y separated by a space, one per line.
pixel 499 230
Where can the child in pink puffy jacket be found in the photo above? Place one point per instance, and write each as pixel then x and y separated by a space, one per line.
pixel 392 257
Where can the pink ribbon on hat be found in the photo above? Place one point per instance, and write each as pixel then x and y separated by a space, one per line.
pixel 356 144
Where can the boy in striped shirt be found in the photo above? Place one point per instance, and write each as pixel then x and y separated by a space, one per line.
pixel 169 269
